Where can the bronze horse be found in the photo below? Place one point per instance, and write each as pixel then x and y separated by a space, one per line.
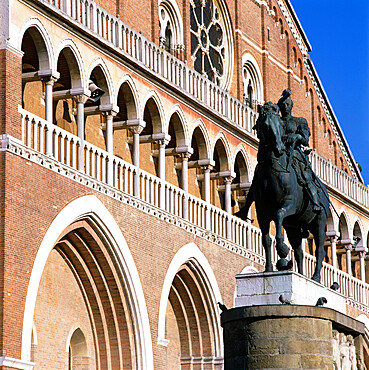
pixel 280 198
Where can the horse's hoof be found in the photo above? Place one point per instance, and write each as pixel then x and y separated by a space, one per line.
pixel 284 264
pixel 282 249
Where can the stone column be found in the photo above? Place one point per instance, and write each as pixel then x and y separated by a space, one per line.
pixel 348 248
pixel 333 236
pixel 184 182
pixel 109 114
pixel 228 203
pixel 161 170
pixel 49 81
pixel 362 265
pixel 81 100
pixel 136 130
pixel 206 169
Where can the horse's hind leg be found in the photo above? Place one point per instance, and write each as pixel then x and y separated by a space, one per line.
pixel 295 239
pixel 267 244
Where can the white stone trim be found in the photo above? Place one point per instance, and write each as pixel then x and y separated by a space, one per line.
pixel 15 363
pixel 159 104
pixel 199 123
pixel 175 18
pixel 241 149
pixel 250 63
pixel 127 78
pixel 221 136
pixel 70 44
pixel 191 252
pixel 182 117
pixel 36 22
pixel 99 62
pixel 90 206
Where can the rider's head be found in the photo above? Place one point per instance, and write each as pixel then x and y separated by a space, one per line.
pixel 285 107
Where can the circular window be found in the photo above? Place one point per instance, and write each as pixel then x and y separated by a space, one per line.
pixel 210 42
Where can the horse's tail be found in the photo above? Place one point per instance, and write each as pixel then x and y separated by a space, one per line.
pixel 242 213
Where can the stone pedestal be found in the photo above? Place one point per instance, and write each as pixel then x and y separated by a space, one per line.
pixel 265 288
pixel 262 333
pixel 284 337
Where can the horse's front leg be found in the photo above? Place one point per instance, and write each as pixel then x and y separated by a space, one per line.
pixel 267 244
pixel 281 246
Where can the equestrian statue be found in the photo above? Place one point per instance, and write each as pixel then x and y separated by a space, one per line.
pixel 284 188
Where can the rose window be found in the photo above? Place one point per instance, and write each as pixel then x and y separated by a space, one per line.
pixel 209 41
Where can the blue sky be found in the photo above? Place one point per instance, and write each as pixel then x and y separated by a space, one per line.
pixel 338 32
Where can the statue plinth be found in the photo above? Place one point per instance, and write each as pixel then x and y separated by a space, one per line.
pixel 266 288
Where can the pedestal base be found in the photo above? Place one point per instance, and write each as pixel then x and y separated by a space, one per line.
pixel 265 288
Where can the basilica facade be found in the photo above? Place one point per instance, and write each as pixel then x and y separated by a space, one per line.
pixel 127 147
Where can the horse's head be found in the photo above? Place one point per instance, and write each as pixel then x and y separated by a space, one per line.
pixel 269 128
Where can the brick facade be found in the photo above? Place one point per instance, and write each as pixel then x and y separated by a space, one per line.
pixel 84 286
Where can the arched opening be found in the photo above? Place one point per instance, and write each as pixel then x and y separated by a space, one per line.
pixel 173 161
pixel 201 163
pixel 252 82
pixel 154 125
pixel 219 174
pixel 35 64
pixel 94 117
pixel 78 358
pixel 70 78
pixel 343 239
pixel 188 315
pixel 358 247
pixel 81 281
pixel 171 28
pixel 240 184
pixel 127 105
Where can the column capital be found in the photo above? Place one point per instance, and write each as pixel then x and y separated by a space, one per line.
pixel 184 155
pixel 228 179
pixel 362 254
pixel 206 164
pixel 48 75
pixel 136 129
pixel 161 138
pixel 348 247
pixel 81 98
pixel 228 176
pixel 109 109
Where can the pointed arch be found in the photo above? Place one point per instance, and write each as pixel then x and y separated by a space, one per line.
pixel 154 96
pixel 200 125
pixel 242 150
pixel 75 62
pixel 191 254
pixel 42 41
pixel 184 137
pixel 90 208
pixel 253 88
pixel 98 62
pixel 169 13
pixel 344 226
pixel 133 104
pixel 358 231
pixel 220 136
